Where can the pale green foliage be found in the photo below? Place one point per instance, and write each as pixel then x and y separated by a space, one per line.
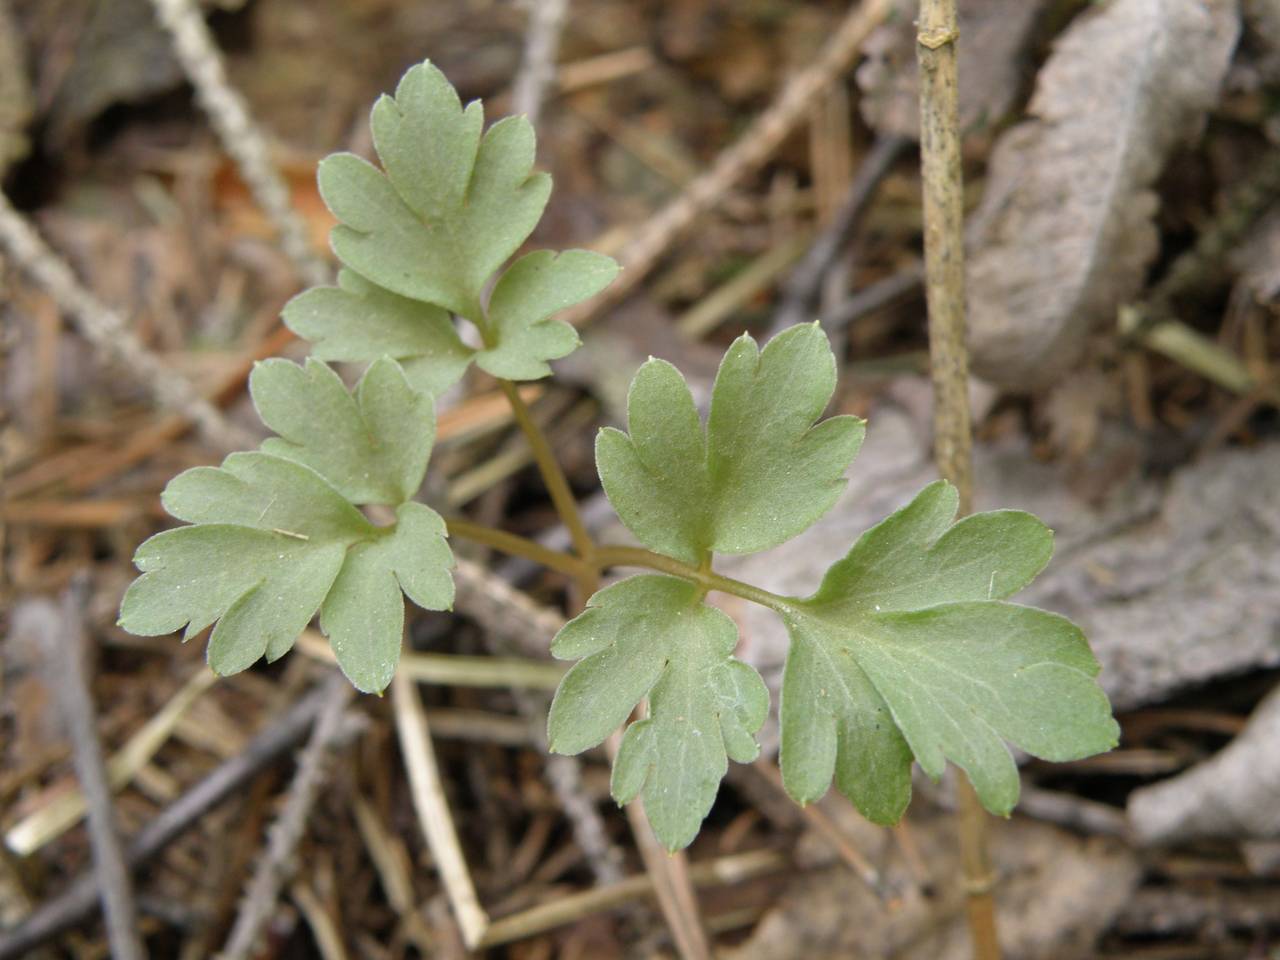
pixel 423 239
pixel 452 206
pixel 759 474
pixel 653 636
pixel 276 536
pixel 907 649
pixel 359 322
pixel 372 447
pixel 519 328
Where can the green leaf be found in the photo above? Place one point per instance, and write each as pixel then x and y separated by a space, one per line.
pixel 760 473
pixel 908 649
pixel 424 239
pixel 452 206
pixel 652 636
pixel 358 322
pixel 536 286
pixel 372 447
pixel 272 542
pixel 363 615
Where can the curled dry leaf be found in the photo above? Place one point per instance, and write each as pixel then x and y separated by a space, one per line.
pixel 994 34
pixel 1064 233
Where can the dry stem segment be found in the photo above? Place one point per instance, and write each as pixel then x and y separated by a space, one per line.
pixel 433 810
pixel 937 33
pixel 62 636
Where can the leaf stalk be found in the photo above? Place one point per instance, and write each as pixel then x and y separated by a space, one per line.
pixel 605 556
pixel 562 498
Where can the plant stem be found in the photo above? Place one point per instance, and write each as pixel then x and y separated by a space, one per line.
pixel 517 546
pixel 607 556
pixel 557 483
pixel 949 362
pixel 552 475
pixel 613 556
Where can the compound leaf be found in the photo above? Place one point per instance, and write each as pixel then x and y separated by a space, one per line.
pixel 759 474
pixel 424 238
pixel 358 322
pixel 372 446
pixel 452 206
pixel 272 541
pixel 908 648
pixel 652 636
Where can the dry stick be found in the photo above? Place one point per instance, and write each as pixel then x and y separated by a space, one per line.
pixel 882 293
pixel 538 70
pixel 752 149
pixel 862 868
pixel 802 286
pixel 276 867
pixel 81 900
pixel 63 639
pixel 936 37
pixel 107 331
pixel 672 884
pixel 432 807
pixel 733 868
pixel 240 136
pixel 57 814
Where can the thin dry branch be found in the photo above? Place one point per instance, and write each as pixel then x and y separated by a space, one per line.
pixel 432 807
pixel 538 69
pixel 515 623
pixel 240 136
pixel 802 285
pixel 61 634
pixel 62 810
pixel 108 332
pixel 80 900
pixel 734 868
pixel 936 37
pixel 276 867
pixel 749 153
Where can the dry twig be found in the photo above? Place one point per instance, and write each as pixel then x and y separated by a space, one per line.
pixel 276 866
pixel 936 37
pixel 432 807
pixel 240 136
pixel 61 634
pixel 538 70
pixel 802 285
pixel 108 332
pixel 752 149
pixel 80 900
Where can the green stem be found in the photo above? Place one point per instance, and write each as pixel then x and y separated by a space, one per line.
pixel 517 546
pixel 613 556
pixel 607 556
pixel 552 475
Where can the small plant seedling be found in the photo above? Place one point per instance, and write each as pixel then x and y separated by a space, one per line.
pixel 908 650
